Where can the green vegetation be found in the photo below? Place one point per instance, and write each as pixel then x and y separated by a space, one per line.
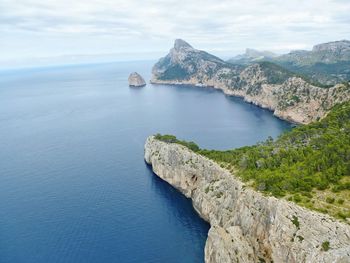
pixel 174 72
pixel 295 222
pixel 327 74
pixel 301 238
pixel 308 157
pixel 309 165
pixel 275 73
pixel 172 139
pixel 325 246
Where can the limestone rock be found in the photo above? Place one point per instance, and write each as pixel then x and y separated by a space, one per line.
pixel 247 226
pixel 135 80
pixel 264 84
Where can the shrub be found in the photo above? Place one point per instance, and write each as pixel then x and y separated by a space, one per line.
pixel 295 221
pixel 330 200
pixel 325 246
pixel 340 201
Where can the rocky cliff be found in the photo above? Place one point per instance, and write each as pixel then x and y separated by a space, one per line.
pixel 136 80
pixel 265 84
pixel 247 226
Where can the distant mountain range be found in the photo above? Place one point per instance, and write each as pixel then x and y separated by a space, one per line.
pixel 252 55
pixel 327 63
pixel 291 85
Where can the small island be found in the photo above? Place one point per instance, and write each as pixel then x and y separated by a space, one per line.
pixel 136 80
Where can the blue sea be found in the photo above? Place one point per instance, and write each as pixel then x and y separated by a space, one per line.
pixel 73 183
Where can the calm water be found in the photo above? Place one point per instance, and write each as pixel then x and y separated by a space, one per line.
pixel 73 183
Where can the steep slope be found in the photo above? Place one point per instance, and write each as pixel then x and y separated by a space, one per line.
pixel 183 61
pixel 265 84
pixel 247 226
pixel 309 165
pixel 328 53
pixel 327 63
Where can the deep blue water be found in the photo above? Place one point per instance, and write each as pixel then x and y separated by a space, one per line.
pixel 73 183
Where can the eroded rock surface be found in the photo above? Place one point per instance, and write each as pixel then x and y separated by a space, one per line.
pixel 265 84
pixel 247 226
pixel 136 80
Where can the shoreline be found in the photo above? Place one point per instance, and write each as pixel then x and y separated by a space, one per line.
pixel 226 92
pixel 242 219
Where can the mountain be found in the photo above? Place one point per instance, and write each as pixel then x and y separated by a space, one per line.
pixel 265 84
pixel 252 55
pixel 327 53
pixel 327 63
pixel 183 61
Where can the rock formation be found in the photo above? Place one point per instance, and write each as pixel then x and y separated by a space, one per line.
pixel 135 80
pixel 265 84
pixel 247 226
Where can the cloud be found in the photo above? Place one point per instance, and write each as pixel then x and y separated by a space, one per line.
pixel 98 26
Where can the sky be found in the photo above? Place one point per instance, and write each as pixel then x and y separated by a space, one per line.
pixel 139 29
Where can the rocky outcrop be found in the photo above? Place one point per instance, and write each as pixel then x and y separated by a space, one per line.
pixel 247 226
pixel 135 80
pixel 264 84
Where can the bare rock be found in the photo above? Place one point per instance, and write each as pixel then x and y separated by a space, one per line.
pixel 269 86
pixel 136 80
pixel 247 226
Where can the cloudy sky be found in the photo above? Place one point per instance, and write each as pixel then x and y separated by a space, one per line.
pixel 139 28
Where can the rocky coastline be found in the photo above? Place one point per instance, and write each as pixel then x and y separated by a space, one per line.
pixel 289 96
pixel 247 226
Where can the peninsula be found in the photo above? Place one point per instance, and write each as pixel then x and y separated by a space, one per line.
pixel 284 200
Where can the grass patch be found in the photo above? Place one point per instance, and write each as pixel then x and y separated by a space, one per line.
pixel 325 246
pixel 295 222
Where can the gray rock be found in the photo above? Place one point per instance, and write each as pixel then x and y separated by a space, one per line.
pixel 135 80
pixel 247 226
pixel 264 84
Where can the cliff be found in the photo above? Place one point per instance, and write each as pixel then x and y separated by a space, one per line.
pixel 247 226
pixel 135 80
pixel 265 84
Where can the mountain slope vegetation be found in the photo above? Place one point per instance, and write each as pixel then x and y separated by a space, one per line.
pixel 309 165
pixel 291 96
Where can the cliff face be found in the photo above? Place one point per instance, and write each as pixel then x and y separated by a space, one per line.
pixel 135 80
pixel 265 84
pixel 247 226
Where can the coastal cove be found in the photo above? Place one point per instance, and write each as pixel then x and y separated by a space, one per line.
pixel 74 185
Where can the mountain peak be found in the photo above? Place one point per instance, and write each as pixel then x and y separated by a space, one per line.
pixel 179 44
pixel 332 46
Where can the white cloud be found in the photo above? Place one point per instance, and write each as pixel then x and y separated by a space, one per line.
pixel 38 28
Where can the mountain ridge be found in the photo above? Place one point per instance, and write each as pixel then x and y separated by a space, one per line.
pixel 327 63
pixel 266 84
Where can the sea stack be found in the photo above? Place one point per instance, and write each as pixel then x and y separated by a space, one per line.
pixel 136 80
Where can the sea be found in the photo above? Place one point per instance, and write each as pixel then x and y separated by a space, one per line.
pixel 74 187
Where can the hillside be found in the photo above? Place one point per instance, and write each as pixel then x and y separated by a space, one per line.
pixel 289 95
pixel 327 63
pixel 309 165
